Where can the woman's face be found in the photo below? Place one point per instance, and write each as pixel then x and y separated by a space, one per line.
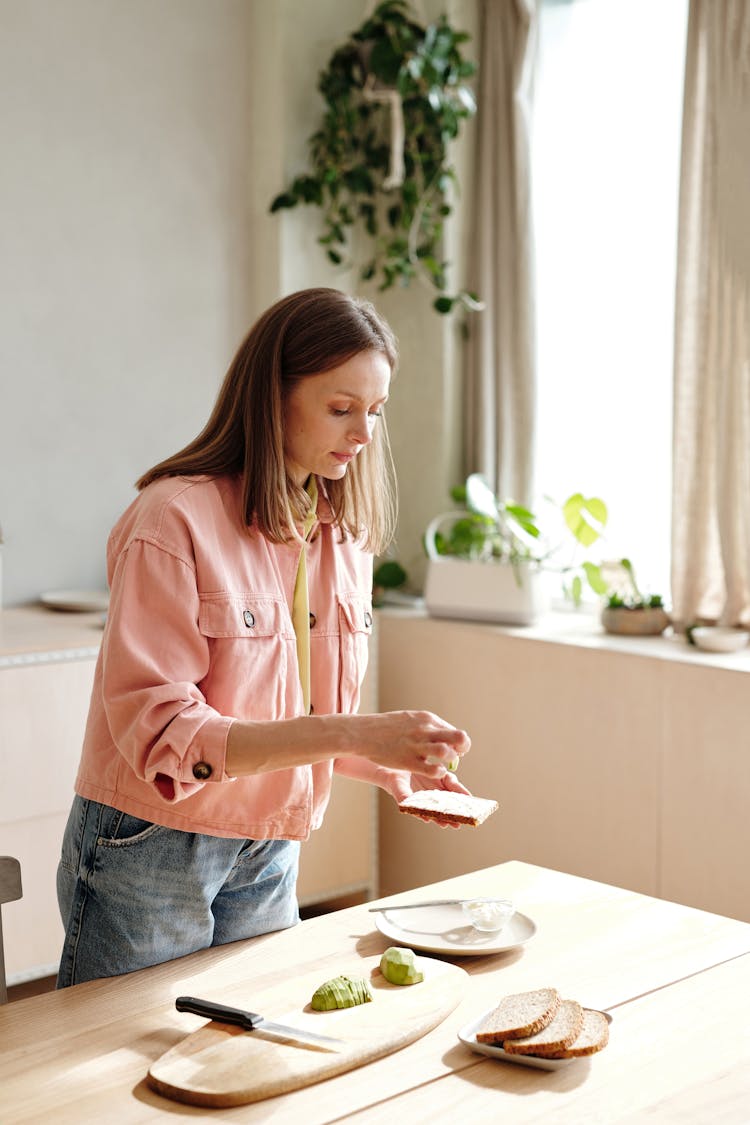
pixel 330 418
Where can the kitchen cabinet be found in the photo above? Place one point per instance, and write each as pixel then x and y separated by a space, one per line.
pixel 620 759
pixel 47 663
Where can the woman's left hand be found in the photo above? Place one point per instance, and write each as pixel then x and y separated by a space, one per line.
pixel 403 784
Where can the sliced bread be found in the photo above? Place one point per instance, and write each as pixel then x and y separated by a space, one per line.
pixel 448 807
pixel 594 1037
pixel 562 1030
pixel 522 1014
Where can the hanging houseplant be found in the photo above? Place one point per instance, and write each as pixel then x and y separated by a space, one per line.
pixel 395 97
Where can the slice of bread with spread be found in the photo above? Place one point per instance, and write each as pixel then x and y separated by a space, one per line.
pixel 448 807
pixel 519 1015
pixel 561 1031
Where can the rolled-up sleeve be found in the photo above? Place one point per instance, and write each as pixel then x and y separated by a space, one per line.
pixel 154 658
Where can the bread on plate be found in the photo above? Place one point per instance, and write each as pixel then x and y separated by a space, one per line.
pixel 519 1015
pixel 594 1037
pixel 561 1031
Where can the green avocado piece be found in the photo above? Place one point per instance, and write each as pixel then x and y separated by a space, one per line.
pixel 341 992
pixel 398 966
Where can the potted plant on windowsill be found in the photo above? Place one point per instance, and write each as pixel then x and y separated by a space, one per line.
pixel 627 610
pixel 489 560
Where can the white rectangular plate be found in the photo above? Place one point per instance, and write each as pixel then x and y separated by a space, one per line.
pixel 468 1036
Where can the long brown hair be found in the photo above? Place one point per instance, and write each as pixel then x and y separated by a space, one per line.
pixel 306 333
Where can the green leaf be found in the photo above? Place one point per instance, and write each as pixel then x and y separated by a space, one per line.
pixel 385 62
pixel 480 498
pixel 389 575
pixel 443 304
pixel 585 518
pixel 471 302
pixel 576 589
pixel 525 519
pixel 594 577
pixel 286 199
pixel 466 97
pixel 359 180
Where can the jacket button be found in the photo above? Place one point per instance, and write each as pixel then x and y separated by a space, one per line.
pixel 368 620
pixel 313 619
pixel 248 618
pixel 202 771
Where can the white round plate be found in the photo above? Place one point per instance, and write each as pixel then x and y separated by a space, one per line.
pixel 468 1036
pixel 444 929
pixel 76 601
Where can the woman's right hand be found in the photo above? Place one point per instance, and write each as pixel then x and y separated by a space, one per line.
pixel 417 741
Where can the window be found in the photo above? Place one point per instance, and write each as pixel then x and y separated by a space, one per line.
pixel 605 175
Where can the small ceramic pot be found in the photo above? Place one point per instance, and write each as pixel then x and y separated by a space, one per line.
pixel 647 621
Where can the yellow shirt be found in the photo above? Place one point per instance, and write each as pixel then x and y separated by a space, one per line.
pixel 300 604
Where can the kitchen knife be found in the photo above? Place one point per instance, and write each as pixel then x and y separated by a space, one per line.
pixel 417 905
pixel 251 1021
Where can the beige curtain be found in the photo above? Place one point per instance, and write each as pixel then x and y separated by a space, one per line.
pixel 711 490
pixel 499 400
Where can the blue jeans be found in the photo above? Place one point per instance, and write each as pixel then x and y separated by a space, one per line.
pixel 133 893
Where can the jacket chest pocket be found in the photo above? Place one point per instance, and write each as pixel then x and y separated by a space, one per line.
pixel 355 629
pixel 248 638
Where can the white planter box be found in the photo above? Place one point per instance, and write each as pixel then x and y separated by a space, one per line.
pixel 484 591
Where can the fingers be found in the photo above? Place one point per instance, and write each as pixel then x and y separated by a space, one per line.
pixel 413 740
pixel 448 744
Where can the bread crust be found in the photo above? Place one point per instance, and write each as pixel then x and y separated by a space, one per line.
pixel 518 1016
pixel 594 1037
pixel 558 1035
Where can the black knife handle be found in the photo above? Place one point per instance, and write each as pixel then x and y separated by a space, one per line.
pixel 221 1012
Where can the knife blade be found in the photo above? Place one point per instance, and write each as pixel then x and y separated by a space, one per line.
pixel 417 905
pixel 252 1021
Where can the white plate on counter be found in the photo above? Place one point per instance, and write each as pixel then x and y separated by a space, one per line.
pixel 468 1036
pixel 76 601
pixel 444 929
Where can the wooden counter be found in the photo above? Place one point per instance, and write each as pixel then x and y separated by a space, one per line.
pixel 674 979
pixel 33 634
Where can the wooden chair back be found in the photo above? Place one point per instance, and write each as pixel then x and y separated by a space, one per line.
pixel 10 890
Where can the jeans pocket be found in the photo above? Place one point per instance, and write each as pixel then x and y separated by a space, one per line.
pixel 121 830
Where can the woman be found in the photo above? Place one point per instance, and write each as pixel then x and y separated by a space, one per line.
pixel 233 653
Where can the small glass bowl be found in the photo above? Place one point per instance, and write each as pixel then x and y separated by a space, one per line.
pixel 488 915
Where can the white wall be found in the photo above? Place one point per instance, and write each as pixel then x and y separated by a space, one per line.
pixel 124 257
pixel 141 145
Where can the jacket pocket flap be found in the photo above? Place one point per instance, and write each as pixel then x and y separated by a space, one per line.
pixel 235 615
pixel 357 613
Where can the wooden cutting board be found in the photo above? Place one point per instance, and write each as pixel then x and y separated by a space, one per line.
pixel 221 1065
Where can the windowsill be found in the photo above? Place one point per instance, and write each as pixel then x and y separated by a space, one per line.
pixel 582 628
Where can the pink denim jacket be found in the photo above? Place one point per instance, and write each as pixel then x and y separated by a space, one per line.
pixel 199 633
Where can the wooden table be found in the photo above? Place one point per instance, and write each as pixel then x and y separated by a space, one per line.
pixel 675 980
